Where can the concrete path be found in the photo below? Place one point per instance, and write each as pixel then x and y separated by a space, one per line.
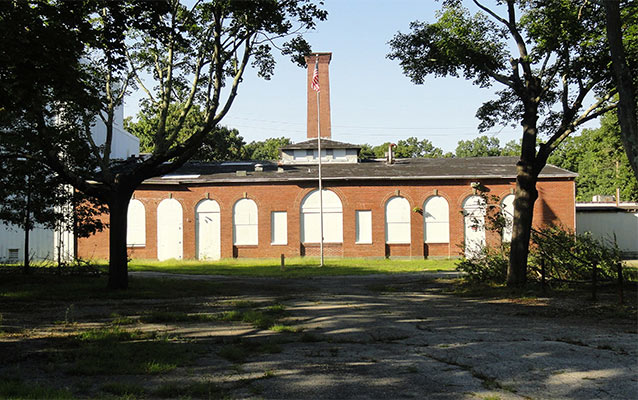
pixel 405 336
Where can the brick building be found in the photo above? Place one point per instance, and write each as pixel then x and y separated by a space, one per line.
pixel 376 208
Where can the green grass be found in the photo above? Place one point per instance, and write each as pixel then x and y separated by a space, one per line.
pixel 282 328
pixel 295 267
pixel 115 351
pixel 18 389
pixel 177 316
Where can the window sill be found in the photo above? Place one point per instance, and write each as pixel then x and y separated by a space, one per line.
pixel 135 245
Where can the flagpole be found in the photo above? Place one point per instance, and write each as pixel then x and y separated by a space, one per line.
pixel 320 186
pixel 315 87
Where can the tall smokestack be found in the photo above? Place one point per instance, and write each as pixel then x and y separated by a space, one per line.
pixel 324 96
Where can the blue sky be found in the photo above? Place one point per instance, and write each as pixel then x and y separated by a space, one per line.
pixel 371 100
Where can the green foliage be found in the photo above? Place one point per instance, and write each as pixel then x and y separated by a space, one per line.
pixel 570 256
pixel 482 146
pixel 266 149
pixel 220 144
pixel 67 64
pixel 489 266
pixel 598 157
pixel 550 57
pixel 411 147
pixel 567 256
pixel 458 44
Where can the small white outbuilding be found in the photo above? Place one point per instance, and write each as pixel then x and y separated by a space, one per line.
pixel 609 222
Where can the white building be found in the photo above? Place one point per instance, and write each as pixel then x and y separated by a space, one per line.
pixel 609 222
pixel 59 244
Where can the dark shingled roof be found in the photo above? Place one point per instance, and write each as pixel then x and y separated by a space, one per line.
pixel 377 170
pixel 325 144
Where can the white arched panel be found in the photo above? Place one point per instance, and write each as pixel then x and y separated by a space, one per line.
pixel 136 224
pixel 474 225
pixel 169 230
pixel 207 230
pixel 332 218
pixel 507 210
pixel 397 220
pixel 436 220
pixel 245 222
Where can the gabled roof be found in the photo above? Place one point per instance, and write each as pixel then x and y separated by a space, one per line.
pixel 325 144
pixel 375 170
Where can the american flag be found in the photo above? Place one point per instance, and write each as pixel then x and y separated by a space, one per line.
pixel 315 77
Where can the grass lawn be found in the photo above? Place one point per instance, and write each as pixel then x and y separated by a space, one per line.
pixel 295 267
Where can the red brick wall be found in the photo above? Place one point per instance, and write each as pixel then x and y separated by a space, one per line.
pixel 324 96
pixel 554 205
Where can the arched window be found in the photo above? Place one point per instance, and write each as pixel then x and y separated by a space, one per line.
pixel 474 223
pixel 507 211
pixel 332 218
pixel 169 230
pixel 436 220
pixel 245 222
pixel 136 224
pixel 397 220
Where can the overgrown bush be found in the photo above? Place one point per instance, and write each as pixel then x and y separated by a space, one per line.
pixel 571 256
pixel 488 265
pixel 567 256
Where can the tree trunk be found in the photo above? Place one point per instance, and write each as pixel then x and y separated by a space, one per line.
pixel 118 256
pixel 627 113
pixel 525 197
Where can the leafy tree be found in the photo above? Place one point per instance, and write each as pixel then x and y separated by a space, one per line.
pixel 482 146
pixel 266 149
pixel 559 58
pixel 598 157
pixel 625 77
pixel 221 143
pixel 32 195
pixel 64 65
pixel 413 148
pixel 366 152
pixel 511 148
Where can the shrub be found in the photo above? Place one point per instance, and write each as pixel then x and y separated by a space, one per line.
pixel 571 256
pixel 489 265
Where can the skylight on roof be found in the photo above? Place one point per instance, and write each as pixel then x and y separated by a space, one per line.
pixel 237 163
pixel 180 176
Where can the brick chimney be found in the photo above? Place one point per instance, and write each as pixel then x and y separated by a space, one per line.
pixel 324 95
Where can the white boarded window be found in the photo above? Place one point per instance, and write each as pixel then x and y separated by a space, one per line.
pixel 363 221
pixel 136 224
pixel 436 220
pixel 332 218
pixel 279 227
pixel 507 210
pixel 245 222
pixel 397 220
